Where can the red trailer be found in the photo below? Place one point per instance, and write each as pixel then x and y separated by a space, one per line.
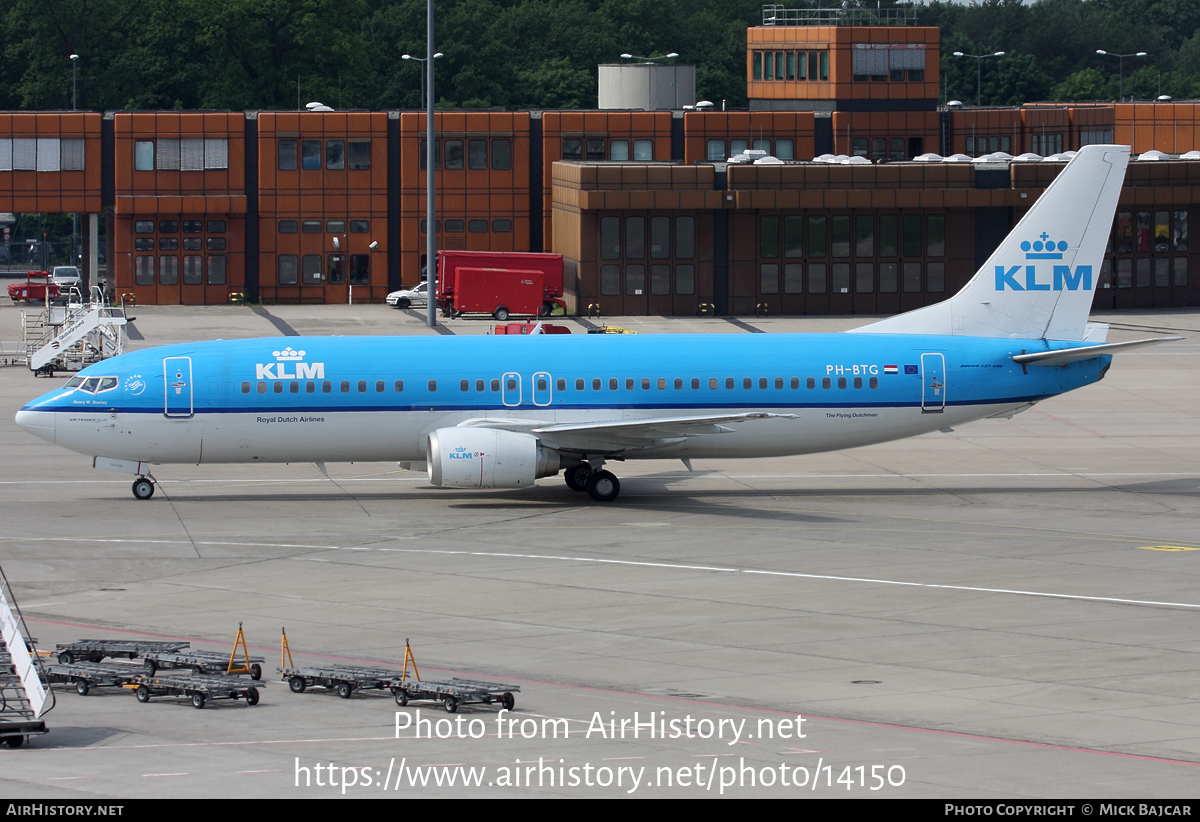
pixel 549 266
pixel 527 328
pixel 497 291
pixel 34 289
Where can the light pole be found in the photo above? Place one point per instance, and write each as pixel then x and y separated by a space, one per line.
pixel 1121 65
pixel 979 58
pixel 74 58
pixel 649 61
pixel 430 213
pixel 421 60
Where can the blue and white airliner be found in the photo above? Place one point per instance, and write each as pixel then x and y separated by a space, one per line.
pixel 504 411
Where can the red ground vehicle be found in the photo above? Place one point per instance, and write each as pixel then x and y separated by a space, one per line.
pixel 527 328
pixel 549 266
pixel 498 291
pixel 34 288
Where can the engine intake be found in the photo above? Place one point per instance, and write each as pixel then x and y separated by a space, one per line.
pixel 487 458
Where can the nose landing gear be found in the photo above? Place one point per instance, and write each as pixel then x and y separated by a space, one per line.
pixel 143 488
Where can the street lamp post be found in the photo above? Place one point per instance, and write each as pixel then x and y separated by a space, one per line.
pixel 74 58
pixel 979 58
pixel 650 61
pixel 421 60
pixel 1120 65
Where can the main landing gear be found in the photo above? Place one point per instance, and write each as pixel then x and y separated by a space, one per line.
pixel 143 488
pixel 602 486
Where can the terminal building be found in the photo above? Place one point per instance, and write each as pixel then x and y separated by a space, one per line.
pixel 861 206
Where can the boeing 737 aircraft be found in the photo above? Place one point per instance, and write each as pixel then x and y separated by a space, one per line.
pixel 501 412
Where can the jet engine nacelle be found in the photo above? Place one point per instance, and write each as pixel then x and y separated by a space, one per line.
pixel 487 458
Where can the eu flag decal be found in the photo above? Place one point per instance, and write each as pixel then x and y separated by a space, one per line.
pixel 910 369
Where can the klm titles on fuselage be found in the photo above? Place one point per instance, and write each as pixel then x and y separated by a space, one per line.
pixel 1061 277
pixel 286 358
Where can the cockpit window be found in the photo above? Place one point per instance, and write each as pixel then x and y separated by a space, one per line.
pixel 89 385
pixel 74 382
pixel 107 384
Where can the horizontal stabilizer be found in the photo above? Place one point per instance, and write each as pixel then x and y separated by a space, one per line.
pixel 1086 352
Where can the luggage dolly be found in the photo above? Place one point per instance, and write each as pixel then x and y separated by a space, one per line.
pixel 213 663
pixel 88 675
pixel 201 689
pixel 451 693
pixel 94 650
pixel 345 679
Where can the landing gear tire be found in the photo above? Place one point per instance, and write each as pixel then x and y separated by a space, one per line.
pixel 501 314
pixel 143 488
pixel 603 486
pixel 577 477
pixel 403 302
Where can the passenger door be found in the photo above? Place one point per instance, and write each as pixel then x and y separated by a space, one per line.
pixel 543 391
pixel 177 387
pixel 933 383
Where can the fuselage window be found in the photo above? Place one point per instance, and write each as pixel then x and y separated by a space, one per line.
pixel 841 382
pixel 595 383
pixel 432 386
pixel 398 386
pixel 762 382
pixel 542 385
pixel 245 388
pixel 812 382
pixel 362 386
pixel 629 383
pixel 262 388
pixel 380 386
pixel 310 387
pixel 345 386
pixel 479 386
pixel 613 383
pixel 747 382
pixel 662 383
pixel 294 387
pixel 858 382
pixel 796 382
pixel 495 386
pixel 678 383
pixel 695 383
pixel 779 382
pixel 712 383
pixel 326 387
pixel 464 385
pixel 874 383
pixel 578 385
pixel 729 382
pixel 645 384
pixel 825 382
pixel 561 384
pixel 510 384
pixel 278 388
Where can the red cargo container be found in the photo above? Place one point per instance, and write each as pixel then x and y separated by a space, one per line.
pixel 498 291
pixel 549 265
pixel 34 289
pixel 527 328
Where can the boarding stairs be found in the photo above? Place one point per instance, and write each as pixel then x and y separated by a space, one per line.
pixel 24 695
pixel 71 337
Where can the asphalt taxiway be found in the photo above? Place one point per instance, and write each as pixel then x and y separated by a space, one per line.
pixel 1009 609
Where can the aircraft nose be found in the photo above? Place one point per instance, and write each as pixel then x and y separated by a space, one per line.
pixel 38 423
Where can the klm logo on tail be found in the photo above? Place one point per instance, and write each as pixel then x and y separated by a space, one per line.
pixel 1061 277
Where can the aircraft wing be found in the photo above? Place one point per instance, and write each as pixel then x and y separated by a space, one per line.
pixel 1085 352
pixel 618 436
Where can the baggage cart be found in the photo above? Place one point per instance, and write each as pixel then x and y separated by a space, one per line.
pixel 199 689
pixel 94 650
pixel 89 675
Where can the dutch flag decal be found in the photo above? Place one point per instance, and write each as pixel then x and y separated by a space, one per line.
pixel 891 369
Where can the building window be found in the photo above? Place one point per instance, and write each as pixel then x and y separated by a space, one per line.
pixel 193 244
pixel 477 226
pixel 935 236
pixel 437 226
pixel 785 149
pixel 311 270
pixel 168 244
pixel 336 274
pixel 817 239
pixel 335 226
pixel 572 149
pixel 502 226
pixel 143 270
pixel 311 226
pixel 864 278
pixel 360 155
pixel 454 226
pixel 610 280
pixel 597 150
pixel 793 278
pixel 310 155
pixel 685 279
pixel 288 226
pixel 216 243
pixel 839 278
pixel 437 154
pixel 768 236
pixel 502 154
pixel 216 269
pixel 289 269
pixel 143 244
pixel 72 154
pixel 660 238
pixel 192 226
pixel 935 278
pixel 477 154
pixel 454 155
pixel 643 150
pixel 168 227
pixel 143 156
pixel 635 238
pixel 864 235
pixel 285 153
pixel 912 278
pixel 610 238
pixel 660 278
pixel 143 226
pixel 360 269
pixel 715 150
pixel 335 154
pixel 360 226
pixel 619 150
pixel 635 280
pixel 737 147
pixel 816 278
pixel 839 230
pixel 216 153
pixel 685 238
pixel 768 278
pixel 168 270
pixel 758 65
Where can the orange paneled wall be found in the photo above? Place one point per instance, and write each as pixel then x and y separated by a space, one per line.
pixel 50 162
pixel 859 131
pixel 630 131
pixel 1168 127
pixel 481 179
pixel 701 130
pixel 322 181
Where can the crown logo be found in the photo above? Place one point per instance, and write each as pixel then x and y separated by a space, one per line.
pixel 288 354
pixel 1043 248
